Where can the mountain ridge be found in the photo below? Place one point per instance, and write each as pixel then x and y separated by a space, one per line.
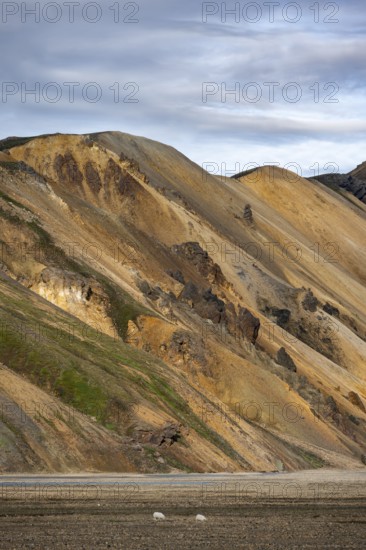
pixel 129 237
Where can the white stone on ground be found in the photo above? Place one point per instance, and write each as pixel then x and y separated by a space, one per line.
pixel 158 516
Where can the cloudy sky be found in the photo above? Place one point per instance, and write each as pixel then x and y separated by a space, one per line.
pixel 236 84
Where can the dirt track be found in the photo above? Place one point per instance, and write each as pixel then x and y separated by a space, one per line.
pixel 295 511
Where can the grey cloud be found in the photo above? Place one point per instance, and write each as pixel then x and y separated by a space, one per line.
pixel 169 54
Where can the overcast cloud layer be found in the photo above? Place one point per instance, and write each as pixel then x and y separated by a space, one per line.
pixel 164 69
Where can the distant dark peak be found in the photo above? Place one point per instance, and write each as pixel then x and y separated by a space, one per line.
pixel 354 182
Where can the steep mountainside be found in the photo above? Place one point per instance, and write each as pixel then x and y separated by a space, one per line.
pixel 154 316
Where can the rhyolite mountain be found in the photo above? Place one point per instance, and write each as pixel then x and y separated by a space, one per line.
pixel 155 317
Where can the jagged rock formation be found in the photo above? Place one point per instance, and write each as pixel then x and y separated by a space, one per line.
pixel 193 253
pixel 285 360
pixel 247 325
pixel 248 215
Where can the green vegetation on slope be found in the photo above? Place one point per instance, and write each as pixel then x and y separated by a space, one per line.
pixel 98 375
pixel 122 307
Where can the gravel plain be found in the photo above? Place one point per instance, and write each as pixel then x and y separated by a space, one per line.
pixel 304 510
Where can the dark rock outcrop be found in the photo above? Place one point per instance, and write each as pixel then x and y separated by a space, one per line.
pixel 310 302
pixel 331 310
pixel 151 293
pixel 206 304
pixel 248 325
pixel 285 360
pixel 92 177
pixel 242 325
pixel 176 275
pixel 120 179
pixel 164 437
pixel 355 399
pixel 332 405
pixel 67 169
pixel 187 346
pixel 199 258
pixel 248 215
pixel 282 316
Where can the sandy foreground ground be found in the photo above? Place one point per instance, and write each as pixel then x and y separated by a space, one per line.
pixel 313 510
